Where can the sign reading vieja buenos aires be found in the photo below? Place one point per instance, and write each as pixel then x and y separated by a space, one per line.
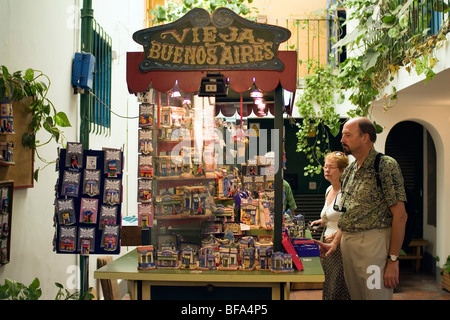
pixel 223 40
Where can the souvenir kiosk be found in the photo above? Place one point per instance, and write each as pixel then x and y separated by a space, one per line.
pixel 199 173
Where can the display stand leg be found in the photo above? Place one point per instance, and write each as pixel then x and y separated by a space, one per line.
pixel 84 271
pixel 146 236
pixel 278 148
pixel 87 23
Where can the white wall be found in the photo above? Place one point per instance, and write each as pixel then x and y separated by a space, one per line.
pixel 436 121
pixel 44 35
pixel 429 105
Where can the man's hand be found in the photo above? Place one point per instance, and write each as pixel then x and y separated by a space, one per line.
pixel 391 274
pixel 326 248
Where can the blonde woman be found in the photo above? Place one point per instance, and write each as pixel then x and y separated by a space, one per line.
pixel 334 287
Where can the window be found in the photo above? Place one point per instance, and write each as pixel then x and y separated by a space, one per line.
pixel 150 5
pixel 100 113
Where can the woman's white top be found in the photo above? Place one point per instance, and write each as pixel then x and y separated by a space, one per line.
pixel 330 216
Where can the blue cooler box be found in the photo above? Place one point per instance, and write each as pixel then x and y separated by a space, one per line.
pixel 306 248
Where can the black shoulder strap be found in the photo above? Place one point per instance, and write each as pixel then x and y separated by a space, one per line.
pixel 377 168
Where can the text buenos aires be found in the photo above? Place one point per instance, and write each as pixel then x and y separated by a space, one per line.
pixel 236 47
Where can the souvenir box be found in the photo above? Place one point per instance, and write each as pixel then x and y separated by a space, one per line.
pixel 88 201
pixel 306 248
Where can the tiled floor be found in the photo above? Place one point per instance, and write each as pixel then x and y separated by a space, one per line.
pixel 413 286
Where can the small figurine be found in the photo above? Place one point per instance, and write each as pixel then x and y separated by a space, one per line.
pixel 146 259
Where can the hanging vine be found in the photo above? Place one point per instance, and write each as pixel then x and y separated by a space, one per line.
pixel 389 34
pixel 35 85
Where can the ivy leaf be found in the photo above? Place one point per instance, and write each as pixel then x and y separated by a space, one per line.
pixel 5 73
pixel 335 128
pixel 379 128
pixel 29 75
pixel 351 37
pixel 28 140
pixel 46 109
pixel 421 65
pixel 62 120
pixel 36 175
pixel 370 58
pixel 389 21
pixel 47 126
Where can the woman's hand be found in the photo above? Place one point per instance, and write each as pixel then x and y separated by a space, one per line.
pixel 330 237
pixel 315 225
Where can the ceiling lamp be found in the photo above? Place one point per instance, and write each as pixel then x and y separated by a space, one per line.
pixel 176 91
pixel 213 85
pixel 255 93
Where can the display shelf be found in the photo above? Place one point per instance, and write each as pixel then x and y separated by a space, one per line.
pixel 19 168
pixel 7 163
pixel 176 186
pixel 177 181
pixel 174 220
pixel 6 194
pixel 175 279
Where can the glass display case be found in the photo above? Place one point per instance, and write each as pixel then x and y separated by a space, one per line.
pixel 178 164
pixel 199 184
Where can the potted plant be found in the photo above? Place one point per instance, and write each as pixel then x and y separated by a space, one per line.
pixel 34 85
pixel 445 272
pixel 13 290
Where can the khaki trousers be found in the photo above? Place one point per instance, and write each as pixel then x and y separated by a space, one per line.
pixel 364 256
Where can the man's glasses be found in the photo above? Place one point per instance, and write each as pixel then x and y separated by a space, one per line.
pixel 338 204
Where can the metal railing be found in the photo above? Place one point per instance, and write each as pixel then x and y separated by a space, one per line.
pixel 100 113
pixel 425 17
pixel 309 37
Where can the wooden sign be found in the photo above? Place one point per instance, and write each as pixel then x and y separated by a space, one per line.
pixel 223 40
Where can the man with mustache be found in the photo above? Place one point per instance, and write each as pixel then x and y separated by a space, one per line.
pixel 372 223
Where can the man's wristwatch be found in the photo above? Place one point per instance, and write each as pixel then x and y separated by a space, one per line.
pixel 393 257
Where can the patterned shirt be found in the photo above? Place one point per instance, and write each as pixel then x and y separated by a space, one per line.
pixel 365 206
pixel 288 197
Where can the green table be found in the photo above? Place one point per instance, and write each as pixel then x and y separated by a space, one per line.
pixel 216 285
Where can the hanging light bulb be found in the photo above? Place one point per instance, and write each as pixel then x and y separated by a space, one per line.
pixel 255 93
pixel 176 91
pixel 262 109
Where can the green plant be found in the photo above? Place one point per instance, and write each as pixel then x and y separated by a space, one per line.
pixel 64 294
pixel 316 105
pixel 386 37
pixel 13 290
pixel 175 10
pixel 34 85
pixel 446 266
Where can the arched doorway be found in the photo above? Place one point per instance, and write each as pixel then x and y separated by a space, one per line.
pixel 412 146
pixel 405 143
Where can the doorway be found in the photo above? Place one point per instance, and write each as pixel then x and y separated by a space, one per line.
pixel 413 147
pixel 405 143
